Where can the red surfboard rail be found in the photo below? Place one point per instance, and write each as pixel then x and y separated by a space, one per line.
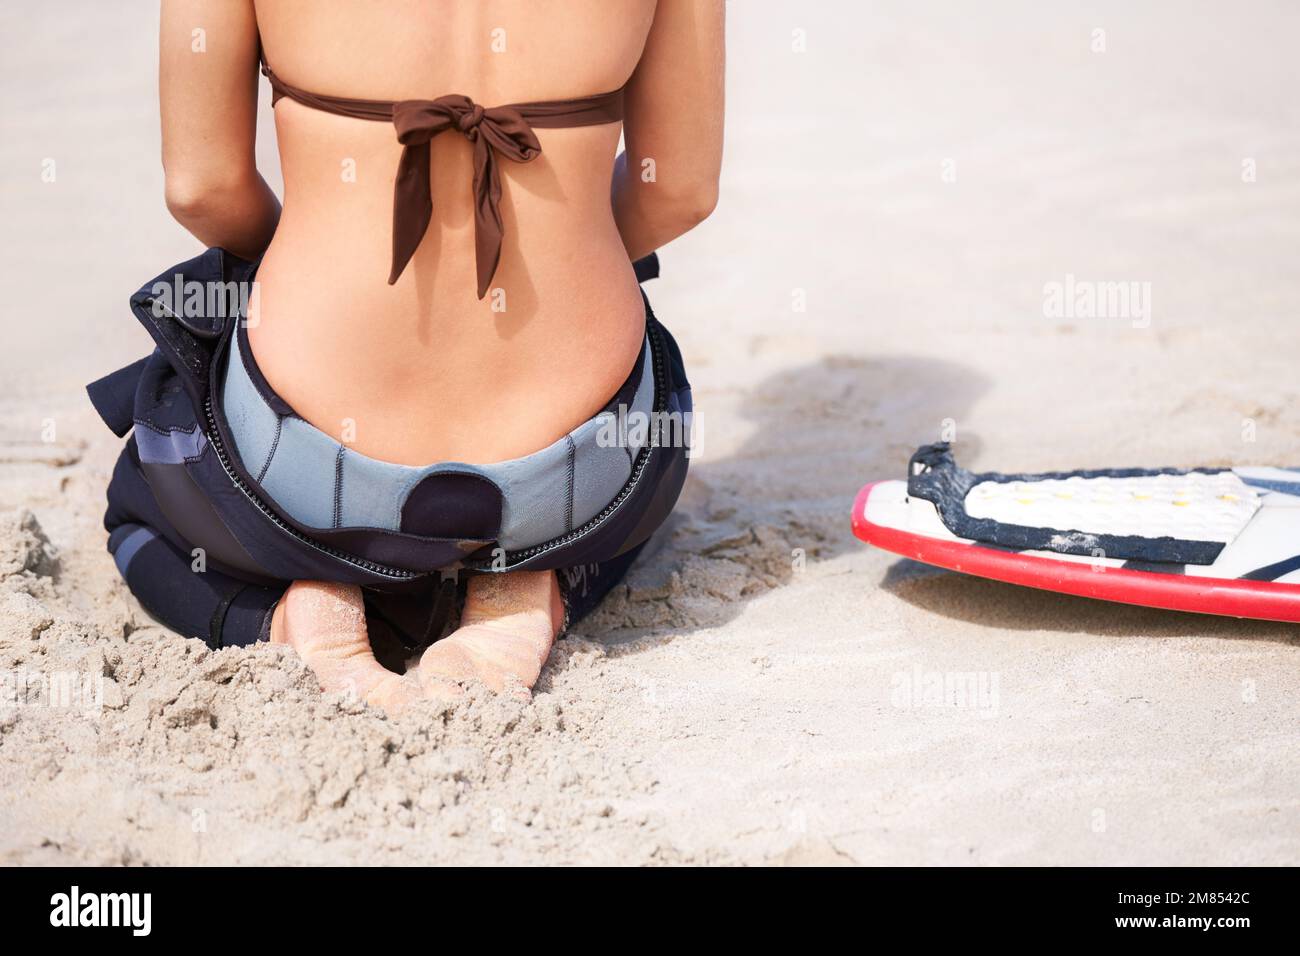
pixel 1226 597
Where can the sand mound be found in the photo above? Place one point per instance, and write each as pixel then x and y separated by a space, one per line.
pixel 132 745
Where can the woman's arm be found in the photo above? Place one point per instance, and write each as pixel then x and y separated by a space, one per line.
pixel 673 120
pixel 207 82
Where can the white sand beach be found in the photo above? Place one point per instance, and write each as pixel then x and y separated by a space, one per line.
pixel 902 180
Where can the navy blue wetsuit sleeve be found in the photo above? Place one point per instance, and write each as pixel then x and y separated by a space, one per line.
pixel 169 581
pixel 584 586
pixel 214 607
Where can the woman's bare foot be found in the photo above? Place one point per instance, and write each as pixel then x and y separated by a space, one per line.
pixel 506 631
pixel 326 625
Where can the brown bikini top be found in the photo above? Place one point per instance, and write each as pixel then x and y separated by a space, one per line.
pixel 504 130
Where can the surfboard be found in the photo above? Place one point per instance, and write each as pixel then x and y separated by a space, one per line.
pixel 1213 541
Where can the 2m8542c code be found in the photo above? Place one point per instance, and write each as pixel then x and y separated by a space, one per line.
pixel 1231 899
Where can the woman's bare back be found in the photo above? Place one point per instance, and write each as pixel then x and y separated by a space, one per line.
pixel 423 370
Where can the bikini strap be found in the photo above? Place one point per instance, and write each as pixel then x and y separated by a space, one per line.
pixel 499 131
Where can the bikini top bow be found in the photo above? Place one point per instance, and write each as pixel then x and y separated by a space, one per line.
pixel 501 130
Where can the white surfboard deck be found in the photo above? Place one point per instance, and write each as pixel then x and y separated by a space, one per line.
pixel 1255 512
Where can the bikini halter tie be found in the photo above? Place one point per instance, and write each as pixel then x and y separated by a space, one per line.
pixel 498 130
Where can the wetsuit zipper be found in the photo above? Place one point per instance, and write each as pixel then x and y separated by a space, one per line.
pixel 512 557
pixel 643 457
pixel 214 439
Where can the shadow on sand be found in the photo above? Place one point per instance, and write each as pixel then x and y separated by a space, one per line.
pixel 961 597
pixel 820 432
pixel 816 434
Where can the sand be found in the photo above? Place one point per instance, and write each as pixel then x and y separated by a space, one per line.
pixel 763 691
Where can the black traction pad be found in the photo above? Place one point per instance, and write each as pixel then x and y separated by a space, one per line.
pixel 934 476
